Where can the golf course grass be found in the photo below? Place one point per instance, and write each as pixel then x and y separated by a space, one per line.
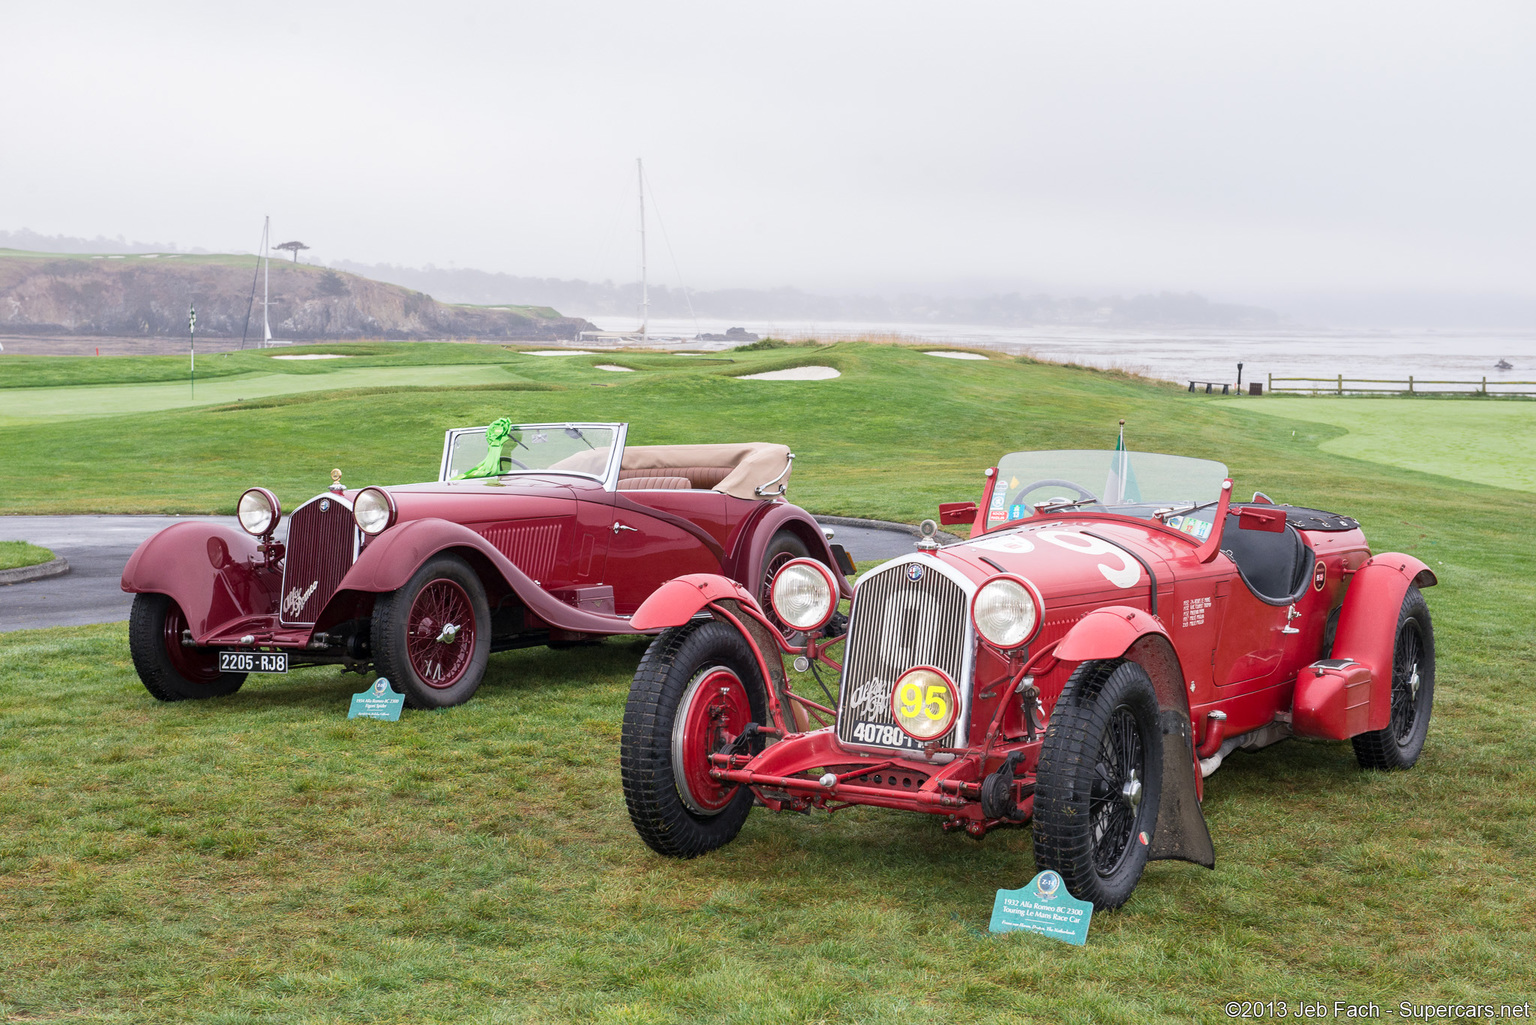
pixel 1485 441
pixel 261 858
pixel 19 554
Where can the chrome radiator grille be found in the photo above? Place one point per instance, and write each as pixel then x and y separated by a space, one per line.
pixel 322 545
pixel 898 623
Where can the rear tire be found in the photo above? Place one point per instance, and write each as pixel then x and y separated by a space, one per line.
pixel 696 683
pixel 432 637
pixel 1099 781
pixel 170 670
pixel 1413 692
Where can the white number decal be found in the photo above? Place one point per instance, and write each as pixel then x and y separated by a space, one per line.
pixel 1125 575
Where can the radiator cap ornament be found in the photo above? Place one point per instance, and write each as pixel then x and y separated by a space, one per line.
pixel 336 484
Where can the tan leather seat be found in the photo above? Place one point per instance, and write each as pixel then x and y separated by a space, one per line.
pixel 696 476
pixel 642 480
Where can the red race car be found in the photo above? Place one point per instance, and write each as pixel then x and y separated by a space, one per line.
pixel 1114 628
pixel 532 534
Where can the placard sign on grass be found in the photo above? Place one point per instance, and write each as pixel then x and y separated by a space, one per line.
pixel 1043 905
pixel 377 702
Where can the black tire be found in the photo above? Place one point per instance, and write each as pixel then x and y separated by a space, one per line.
pixel 408 628
pixel 170 671
pixel 1099 781
pixel 1413 692
pixel 668 814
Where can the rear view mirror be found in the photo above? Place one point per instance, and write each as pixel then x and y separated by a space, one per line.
pixel 1271 520
pixel 957 512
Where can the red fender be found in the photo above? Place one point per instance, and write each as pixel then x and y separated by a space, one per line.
pixel 389 560
pixel 1368 622
pixel 208 569
pixel 677 601
pixel 747 561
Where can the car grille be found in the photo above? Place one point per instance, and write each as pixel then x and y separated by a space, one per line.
pixel 898 623
pixel 322 544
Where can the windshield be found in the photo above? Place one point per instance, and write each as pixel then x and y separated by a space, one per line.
pixel 505 447
pixel 1130 483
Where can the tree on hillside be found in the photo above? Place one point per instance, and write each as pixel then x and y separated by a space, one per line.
pixel 331 283
pixel 292 247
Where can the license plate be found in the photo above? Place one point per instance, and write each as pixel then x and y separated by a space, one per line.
pixel 253 661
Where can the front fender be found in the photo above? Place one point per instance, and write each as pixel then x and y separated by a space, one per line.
pixel 1368 622
pixel 1119 631
pixel 748 561
pixel 390 559
pixel 679 600
pixel 210 570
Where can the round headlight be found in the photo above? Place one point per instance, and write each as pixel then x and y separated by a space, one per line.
pixel 373 510
pixel 1006 612
pixel 258 511
pixel 924 703
pixel 804 594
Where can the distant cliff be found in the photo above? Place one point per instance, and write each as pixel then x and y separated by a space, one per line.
pixel 148 295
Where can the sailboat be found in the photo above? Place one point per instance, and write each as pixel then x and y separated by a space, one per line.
pixel 643 337
pixel 264 269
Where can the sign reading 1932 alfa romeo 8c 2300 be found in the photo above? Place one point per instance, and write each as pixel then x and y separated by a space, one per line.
pixel 1114 627
pixel 532 534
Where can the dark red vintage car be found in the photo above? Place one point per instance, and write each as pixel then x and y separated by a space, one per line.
pixel 1114 628
pixel 532 534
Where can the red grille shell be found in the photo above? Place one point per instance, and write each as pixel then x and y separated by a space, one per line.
pixel 322 545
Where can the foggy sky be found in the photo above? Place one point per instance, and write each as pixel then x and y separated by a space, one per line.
pixel 1247 151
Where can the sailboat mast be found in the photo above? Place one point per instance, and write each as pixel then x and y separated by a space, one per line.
pixel 266 274
pixel 645 294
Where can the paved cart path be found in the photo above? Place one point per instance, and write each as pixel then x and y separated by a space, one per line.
pixel 97 548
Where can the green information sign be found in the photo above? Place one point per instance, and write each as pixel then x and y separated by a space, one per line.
pixel 377 702
pixel 1044 906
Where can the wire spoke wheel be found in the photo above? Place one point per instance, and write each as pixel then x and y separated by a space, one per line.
pixel 440 634
pixel 1116 792
pixel 1412 692
pixel 169 669
pixel 1099 782
pixel 1406 679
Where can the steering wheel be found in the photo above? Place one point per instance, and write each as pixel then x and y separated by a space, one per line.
pixel 1082 492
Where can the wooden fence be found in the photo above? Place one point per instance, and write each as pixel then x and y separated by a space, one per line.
pixel 1342 385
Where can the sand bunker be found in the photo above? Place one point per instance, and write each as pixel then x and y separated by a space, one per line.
pixel 956 355
pixel 795 374
pixel 614 368
pixel 315 355
pixel 560 352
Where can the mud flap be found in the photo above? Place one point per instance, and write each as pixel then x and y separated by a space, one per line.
pixel 1180 833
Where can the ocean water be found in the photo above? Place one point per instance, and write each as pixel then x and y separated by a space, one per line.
pixel 1185 354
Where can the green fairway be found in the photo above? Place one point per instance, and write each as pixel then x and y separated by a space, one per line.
pixel 1478 440
pixel 261 858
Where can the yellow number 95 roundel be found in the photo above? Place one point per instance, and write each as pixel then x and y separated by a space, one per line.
pixel 924 703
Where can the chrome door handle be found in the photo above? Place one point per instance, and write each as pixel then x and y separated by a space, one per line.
pixel 617 526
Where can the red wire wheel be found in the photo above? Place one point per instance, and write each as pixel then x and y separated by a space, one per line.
pixel 197 665
pixel 714 705
pixel 440 634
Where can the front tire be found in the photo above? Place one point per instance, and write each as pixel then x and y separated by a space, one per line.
pixel 170 670
pixel 697 685
pixel 1413 692
pixel 1099 781
pixel 432 637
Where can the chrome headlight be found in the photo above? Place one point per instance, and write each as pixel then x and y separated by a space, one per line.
pixel 924 703
pixel 1006 611
pixel 373 510
pixel 258 512
pixel 804 594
